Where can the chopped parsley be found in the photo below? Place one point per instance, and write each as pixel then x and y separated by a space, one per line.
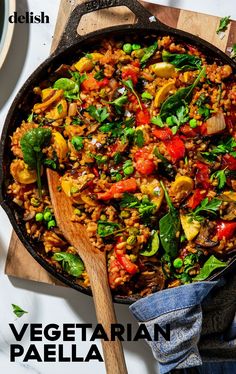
pixel 17 310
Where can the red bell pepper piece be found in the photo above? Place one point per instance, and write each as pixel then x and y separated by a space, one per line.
pixel 130 73
pixel 225 229
pixel 229 161
pixel 127 185
pixel 203 175
pixel 125 262
pixel 163 134
pixel 196 198
pixel 142 117
pixel 203 129
pixel 175 147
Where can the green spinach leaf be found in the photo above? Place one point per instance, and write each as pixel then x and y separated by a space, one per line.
pixel 169 227
pixel 148 53
pixel 210 265
pixel 71 263
pixel 182 61
pixel 180 98
pixel 32 143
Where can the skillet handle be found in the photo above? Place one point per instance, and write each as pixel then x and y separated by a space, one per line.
pixel 70 35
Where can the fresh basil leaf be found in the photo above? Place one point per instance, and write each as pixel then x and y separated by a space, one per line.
pixel 224 22
pixel 148 53
pixel 210 265
pixel 182 61
pixel 169 228
pixel 32 144
pixel 17 310
pixel 106 228
pixel 99 114
pixel 71 263
pixel 180 98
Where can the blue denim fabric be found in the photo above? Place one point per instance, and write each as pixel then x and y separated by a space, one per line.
pixel 181 308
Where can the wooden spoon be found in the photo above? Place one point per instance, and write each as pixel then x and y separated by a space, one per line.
pixel 95 263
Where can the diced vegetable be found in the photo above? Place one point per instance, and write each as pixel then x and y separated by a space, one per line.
pixel 215 124
pixel 175 147
pixel 84 64
pixel 60 146
pixel 190 226
pixel 181 187
pixel 128 185
pixel 225 230
pixel 22 173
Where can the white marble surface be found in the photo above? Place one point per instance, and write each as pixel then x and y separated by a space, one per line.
pixel 47 304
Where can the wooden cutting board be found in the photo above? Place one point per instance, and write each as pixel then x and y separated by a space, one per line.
pixel 19 262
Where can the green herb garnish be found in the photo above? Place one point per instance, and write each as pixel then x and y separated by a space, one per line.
pixel 17 310
pixel 129 84
pixel 145 206
pixel 106 228
pixel 206 207
pixel 223 25
pixel 77 142
pixel 157 121
pixel 228 146
pixel 71 263
pixel 220 175
pixel 99 114
pixel 139 138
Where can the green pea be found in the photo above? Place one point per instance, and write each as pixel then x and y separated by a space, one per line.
pixel 129 170
pixel 178 263
pixel 127 48
pixel 131 240
pixel 193 123
pixel 103 217
pixel 35 202
pixel 77 212
pixel 39 217
pixel 136 46
pixel 124 214
pixel 169 120
pixel 51 223
pixel 47 216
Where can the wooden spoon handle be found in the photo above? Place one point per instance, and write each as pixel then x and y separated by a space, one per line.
pixel 112 350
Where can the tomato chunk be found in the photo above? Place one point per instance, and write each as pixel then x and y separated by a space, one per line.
pixel 175 147
pixel 229 161
pixel 144 165
pixel 130 73
pixel 125 262
pixel 203 175
pixel 90 83
pixel 163 134
pixel 142 117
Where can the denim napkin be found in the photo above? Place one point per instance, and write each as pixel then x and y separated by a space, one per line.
pixel 201 317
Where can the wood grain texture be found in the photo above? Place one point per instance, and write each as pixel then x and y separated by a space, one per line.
pixel 96 267
pixel 19 262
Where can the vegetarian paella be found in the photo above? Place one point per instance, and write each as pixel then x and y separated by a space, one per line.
pixel 143 136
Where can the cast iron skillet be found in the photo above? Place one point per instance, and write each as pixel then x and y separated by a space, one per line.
pixel 70 47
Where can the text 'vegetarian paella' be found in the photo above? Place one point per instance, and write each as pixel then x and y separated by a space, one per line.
pixel 143 136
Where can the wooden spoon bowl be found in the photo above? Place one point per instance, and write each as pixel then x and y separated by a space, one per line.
pixel 96 267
